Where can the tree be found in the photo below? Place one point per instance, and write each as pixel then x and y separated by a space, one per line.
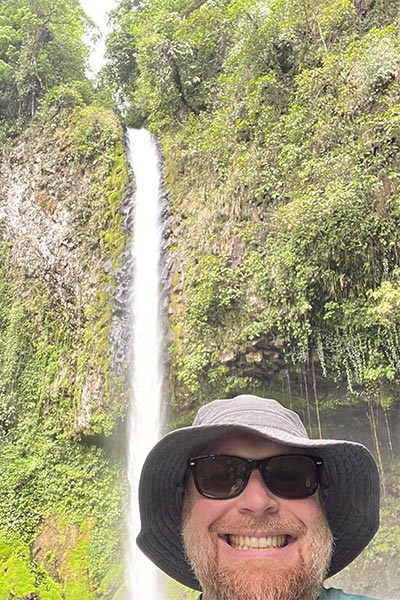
pixel 41 46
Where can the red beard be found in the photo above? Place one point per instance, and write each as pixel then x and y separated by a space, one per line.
pixel 259 579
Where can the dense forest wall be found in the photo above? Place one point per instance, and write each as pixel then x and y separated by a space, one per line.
pixel 62 394
pixel 63 183
pixel 279 127
pixel 279 123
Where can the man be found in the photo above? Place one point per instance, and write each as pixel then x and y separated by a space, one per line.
pixel 242 505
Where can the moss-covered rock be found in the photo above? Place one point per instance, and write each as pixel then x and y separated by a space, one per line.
pixel 62 399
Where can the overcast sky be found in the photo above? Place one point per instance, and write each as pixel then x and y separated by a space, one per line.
pixel 98 10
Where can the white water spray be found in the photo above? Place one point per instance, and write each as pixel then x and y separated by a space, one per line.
pixel 144 581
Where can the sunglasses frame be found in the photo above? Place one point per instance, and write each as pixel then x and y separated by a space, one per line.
pixel 252 465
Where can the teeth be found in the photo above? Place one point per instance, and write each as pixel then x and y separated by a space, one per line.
pixel 244 542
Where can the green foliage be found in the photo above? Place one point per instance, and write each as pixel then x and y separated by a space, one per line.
pixel 294 145
pixel 175 591
pixel 76 572
pixel 385 303
pixel 212 285
pixel 280 130
pixel 19 576
pixel 37 331
pixel 93 133
pixel 213 293
pixel 58 103
pixel 280 122
pixel 120 70
pixel 22 574
pixel 60 403
pixel 41 46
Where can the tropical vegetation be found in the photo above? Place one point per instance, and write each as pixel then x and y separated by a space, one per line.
pixel 279 124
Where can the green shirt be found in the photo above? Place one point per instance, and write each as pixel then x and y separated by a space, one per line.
pixel 335 594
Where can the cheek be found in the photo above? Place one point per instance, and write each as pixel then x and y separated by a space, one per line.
pixel 203 511
pixel 308 510
pixel 311 513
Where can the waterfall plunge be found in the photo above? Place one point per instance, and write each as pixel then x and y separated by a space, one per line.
pixel 144 581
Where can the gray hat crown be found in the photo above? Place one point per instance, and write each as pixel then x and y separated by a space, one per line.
pixel 253 412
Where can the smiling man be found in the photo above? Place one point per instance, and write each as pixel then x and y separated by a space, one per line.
pixel 243 505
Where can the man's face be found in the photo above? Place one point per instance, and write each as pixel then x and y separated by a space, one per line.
pixel 256 546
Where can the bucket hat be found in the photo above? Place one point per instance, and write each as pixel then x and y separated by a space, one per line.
pixel 349 486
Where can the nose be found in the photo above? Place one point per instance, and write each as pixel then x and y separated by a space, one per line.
pixel 256 498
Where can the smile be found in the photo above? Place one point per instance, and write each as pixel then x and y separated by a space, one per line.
pixel 244 542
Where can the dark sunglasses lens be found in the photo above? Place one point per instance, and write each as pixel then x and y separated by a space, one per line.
pixel 291 476
pixel 220 476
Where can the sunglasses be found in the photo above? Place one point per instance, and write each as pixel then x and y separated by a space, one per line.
pixel 221 477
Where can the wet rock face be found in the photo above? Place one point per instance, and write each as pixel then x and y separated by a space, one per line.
pixel 54 212
pixel 40 208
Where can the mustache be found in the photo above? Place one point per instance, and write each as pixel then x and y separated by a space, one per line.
pixel 265 523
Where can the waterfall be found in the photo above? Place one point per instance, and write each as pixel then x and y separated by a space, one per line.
pixel 144 581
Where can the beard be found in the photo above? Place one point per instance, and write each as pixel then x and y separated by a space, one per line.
pixel 259 579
